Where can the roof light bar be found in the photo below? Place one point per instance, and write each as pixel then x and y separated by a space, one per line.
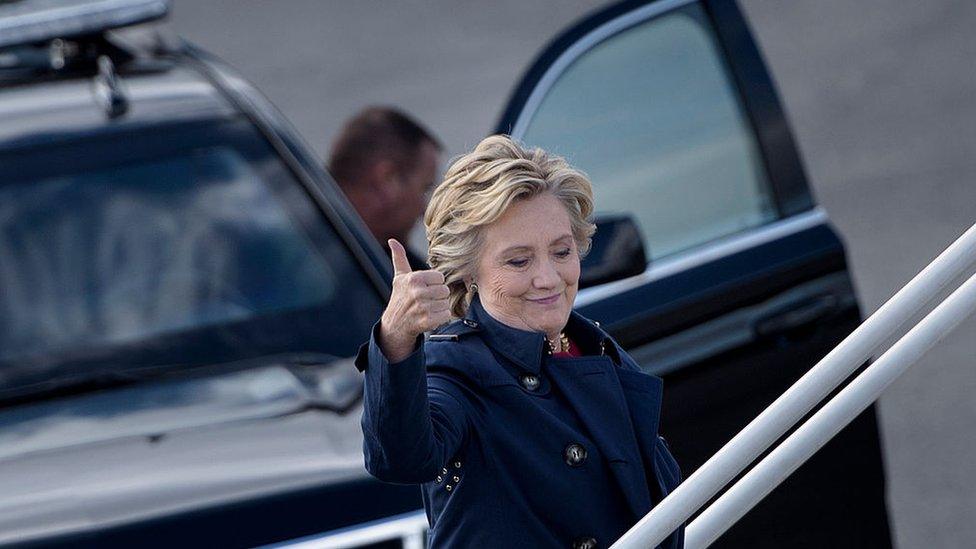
pixel 31 21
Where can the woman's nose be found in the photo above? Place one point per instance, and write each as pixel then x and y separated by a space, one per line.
pixel 546 276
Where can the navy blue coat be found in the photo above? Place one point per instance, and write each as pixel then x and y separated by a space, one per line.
pixel 515 448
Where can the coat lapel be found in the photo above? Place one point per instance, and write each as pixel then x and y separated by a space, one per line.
pixel 593 390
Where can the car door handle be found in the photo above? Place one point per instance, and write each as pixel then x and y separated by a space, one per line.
pixel 795 315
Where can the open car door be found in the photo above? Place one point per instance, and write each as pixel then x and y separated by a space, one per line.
pixel 712 265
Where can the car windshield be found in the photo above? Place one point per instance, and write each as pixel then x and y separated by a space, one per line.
pixel 185 245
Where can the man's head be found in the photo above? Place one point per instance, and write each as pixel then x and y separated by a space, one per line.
pixel 385 162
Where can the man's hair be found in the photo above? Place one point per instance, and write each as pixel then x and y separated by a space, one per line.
pixel 376 133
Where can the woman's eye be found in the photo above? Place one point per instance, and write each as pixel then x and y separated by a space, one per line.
pixel 562 254
pixel 518 262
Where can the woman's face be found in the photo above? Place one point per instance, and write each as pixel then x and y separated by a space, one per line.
pixel 529 268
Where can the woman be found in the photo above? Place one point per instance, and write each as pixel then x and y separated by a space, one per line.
pixel 525 423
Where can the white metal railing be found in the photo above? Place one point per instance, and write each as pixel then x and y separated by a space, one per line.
pixel 829 420
pixel 803 396
pixel 409 528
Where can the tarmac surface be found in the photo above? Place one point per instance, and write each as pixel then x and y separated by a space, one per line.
pixel 880 94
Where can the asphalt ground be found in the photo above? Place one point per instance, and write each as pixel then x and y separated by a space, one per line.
pixel 880 94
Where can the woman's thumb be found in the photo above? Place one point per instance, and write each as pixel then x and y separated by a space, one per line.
pixel 399 256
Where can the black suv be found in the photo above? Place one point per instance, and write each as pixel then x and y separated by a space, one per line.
pixel 182 286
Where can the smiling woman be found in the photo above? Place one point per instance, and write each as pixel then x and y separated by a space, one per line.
pixel 529 267
pixel 526 424
pixel 480 188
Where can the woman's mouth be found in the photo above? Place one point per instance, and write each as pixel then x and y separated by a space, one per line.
pixel 546 300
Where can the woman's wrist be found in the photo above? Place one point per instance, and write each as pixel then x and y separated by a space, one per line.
pixel 395 345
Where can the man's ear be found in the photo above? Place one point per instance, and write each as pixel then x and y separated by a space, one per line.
pixel 382 181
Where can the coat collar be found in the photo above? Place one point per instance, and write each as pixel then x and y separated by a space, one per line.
pixel 525 348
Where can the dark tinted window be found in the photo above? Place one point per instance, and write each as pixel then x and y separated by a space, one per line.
pixel 652 115
pixel 184 245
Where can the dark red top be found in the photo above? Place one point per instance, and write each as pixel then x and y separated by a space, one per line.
pixel 573 351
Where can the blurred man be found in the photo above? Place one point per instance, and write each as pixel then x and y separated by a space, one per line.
pixel 385 162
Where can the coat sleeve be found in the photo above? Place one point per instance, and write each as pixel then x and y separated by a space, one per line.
pixel 413 422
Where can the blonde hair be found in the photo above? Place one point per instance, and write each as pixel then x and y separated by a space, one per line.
pixel 479 187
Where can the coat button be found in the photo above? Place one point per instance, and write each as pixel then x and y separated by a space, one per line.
pixel 575 454
pixel 584 543
pixel 469 323
pixel 529 381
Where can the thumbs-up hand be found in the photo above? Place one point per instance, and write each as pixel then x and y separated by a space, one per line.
pixel 418 303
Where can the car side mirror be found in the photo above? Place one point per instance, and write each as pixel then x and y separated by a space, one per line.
pixel 617 251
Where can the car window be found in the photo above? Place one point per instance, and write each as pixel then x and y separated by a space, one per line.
pixel 116 241
pixel 652 116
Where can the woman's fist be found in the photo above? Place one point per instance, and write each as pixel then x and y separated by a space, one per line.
pixel 418 303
